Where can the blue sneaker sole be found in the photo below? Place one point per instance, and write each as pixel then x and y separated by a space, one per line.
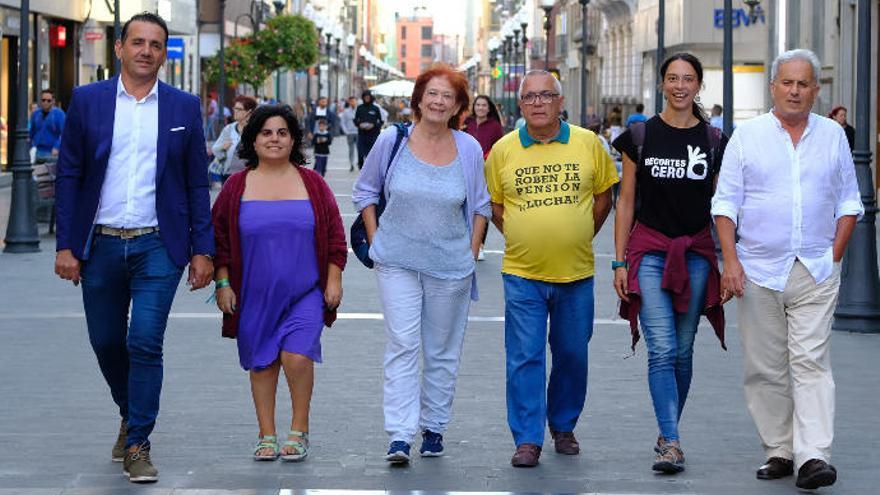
pixel 429 453
pixel 397 457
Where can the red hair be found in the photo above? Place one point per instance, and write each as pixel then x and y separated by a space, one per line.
pixel 456 80
pixel 835 110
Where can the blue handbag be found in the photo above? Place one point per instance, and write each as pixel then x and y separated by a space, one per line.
pixel 358 233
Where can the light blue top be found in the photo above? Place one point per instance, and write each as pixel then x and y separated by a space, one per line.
pixel 423 227
pixel 372 177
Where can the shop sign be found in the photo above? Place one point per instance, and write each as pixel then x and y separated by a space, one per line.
pixel 740 18
pixel 93 35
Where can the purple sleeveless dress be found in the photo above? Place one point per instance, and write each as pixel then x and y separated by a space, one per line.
pixel 281 303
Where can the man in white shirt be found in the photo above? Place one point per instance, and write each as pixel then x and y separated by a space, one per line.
pixel 788 188
pixel 133 210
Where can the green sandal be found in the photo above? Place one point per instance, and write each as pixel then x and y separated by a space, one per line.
pixel 300 447
pixel 263 443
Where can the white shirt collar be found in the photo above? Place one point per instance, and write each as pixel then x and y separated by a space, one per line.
pixel 121 91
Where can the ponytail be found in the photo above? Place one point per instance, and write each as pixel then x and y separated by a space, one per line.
pixel 698 112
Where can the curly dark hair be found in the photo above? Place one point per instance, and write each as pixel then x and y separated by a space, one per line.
pixel 260 115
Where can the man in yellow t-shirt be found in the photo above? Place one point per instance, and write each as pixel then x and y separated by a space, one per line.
pixel 550 187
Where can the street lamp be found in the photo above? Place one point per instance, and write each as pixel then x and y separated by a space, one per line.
pixel 328 46
pixel 505 88
pixel 858 306
pixel 21 231
pixel 660 55
pixel 727 62
pixel 547 6
pixel 319 25
pixel 584 61
pixel 350 41
pixel 513 71
pixel 523 24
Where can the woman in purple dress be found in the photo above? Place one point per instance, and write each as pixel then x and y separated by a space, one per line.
pixel 280 255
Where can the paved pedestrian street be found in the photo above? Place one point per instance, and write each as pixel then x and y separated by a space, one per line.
pixel 58 423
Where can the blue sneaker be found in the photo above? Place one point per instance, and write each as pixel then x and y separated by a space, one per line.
pixel 398 452
pixel 432 444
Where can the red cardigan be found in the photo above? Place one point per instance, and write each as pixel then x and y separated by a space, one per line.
pixel 642 240
pixel 330 245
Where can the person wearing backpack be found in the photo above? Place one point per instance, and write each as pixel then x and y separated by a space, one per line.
pixel 424 249
pixel 665 270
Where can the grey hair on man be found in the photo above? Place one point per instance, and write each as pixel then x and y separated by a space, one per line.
pixel 539 72
pixel 796 54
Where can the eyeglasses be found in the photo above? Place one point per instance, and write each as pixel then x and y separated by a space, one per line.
pixel 532 98
pixel 46 100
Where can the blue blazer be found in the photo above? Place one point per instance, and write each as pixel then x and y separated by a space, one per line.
pixel 183 204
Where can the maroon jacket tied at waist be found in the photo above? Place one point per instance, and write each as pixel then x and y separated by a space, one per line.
pixel 676 279
pixel 330 244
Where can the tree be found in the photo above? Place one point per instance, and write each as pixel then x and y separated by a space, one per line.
pixel 288 41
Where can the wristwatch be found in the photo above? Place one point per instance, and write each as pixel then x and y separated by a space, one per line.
pixel 619 264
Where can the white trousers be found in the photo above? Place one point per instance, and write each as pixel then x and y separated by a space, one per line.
pixel 789 389
pixel 431 314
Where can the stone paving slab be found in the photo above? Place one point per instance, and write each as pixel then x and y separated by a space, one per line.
pixel 58 421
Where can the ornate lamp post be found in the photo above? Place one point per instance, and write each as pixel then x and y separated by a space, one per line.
pixel 508 46
pixel 547 6
pixel 858 306
pixel 328 46
pixel 523 24
pixel 319 25
pixel 727 82
pixel 493 60
pixel 21 231
pixel 337 39
pixel 584 61
pixel 514 70
pixel 350 42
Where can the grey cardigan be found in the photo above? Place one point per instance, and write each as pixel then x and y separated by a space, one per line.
pixel 372 178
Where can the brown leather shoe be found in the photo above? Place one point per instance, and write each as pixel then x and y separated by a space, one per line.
pixel 565 442
pixel 118 452
pixel 816 473
pixel 775 468
pixel 526 455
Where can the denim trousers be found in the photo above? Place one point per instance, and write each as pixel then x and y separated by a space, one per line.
pixel 352 140
pixel 321 164
pixel 136 273
pixel 669 336
pixel 531 402
pixel 428 314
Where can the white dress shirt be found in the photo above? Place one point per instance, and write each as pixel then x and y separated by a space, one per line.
pixel 128 195
pixel 786 200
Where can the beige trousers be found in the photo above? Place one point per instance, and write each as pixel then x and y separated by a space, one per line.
pixel 789 389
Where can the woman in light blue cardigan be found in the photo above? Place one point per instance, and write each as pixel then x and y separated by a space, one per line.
pixel 424 251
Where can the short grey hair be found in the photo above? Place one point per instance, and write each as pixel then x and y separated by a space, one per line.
pixel 796 54
pixel 530 73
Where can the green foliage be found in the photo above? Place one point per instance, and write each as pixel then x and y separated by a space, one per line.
pixel 288 41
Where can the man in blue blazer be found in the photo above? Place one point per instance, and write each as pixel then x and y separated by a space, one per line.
pixel 132 210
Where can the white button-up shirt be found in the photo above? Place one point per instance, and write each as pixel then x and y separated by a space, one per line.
pixel 786 200
pixel 128 195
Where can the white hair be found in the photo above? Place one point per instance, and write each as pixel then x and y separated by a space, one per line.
pixel 530 73
pixel 796 54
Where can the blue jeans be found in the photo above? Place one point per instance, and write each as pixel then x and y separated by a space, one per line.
pixel 136 272
pixel 670 337
pixel 528 303
pixel 321 164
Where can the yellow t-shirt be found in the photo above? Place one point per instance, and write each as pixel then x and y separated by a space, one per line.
pixel 547 192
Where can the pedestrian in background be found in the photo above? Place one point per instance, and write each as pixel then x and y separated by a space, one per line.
pixel 321 144
pixel 786 205
pixel 133 163
pixel 838 114
pixel 665 270
pixel 548 262
pixel 484 124
pixel 346 122
pixel 280 255
pixel 226 146
pixel 46 126
pixel 424 251
pixel 368 119
pixel 638 116
pixel 322 110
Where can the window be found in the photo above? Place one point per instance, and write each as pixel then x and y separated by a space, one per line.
pixel 403 67
pixel 402 50
pixel 427 32
pixel 427 50
pixel 402 32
